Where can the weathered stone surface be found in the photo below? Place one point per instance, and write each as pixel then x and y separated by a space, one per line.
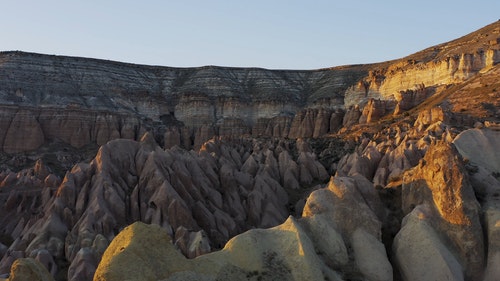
pixel 440 180
pixel 228 100
pixel 410 98
pixel 148 247
pixel 352 116
pixel 370 256
pixel 314 123
pixel 336 201
pixel 487 188
pixel 419 252
pixel 29 269
pixel 83 265
pixel 273 253
pixel 201 199
pixel 329 210
pixel 23 134
pixel 480 146
pixel 375 109
pixel 430 116
pixel 328 242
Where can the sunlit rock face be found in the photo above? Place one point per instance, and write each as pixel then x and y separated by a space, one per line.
pixel 447 70
pixel 446 64
pixel 441 182
pixel 442 68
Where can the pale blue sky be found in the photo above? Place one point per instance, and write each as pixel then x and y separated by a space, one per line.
pixel 271 34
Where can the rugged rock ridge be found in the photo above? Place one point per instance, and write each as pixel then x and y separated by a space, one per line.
pixel 198 103
pixel 202 102
pixel 202 199
pixel 211 92
pixel 445 64
pixel 438 236
pixel 409 163
pixel 36 126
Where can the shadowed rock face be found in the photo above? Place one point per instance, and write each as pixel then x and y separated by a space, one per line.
pixel 82 101
pixel 201 199
pixel 367 172
pixel 212 93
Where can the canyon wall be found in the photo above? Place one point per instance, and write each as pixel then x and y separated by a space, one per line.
pixel 198 103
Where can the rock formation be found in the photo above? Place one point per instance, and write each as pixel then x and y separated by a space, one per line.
pixel 29 269
pixel 202 199
pixel 388 171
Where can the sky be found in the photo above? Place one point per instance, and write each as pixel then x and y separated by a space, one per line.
pixel 273 34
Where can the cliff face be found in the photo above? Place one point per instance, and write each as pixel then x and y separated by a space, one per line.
pixel 193 98
pixel 446 64
pixel 207 101
pixel 65 82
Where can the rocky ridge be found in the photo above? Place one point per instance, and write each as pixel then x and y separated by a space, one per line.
pixel 198 103
pixel 349 173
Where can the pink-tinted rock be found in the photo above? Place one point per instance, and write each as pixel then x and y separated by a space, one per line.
pixel 352 116
pixel 23 134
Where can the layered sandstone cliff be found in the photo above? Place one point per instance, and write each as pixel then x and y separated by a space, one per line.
pixel 207 101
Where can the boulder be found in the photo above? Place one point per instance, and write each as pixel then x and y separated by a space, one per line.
pixel 29 269
pixel 336 203
pixel 140 252
pixel 327 241
pixel 487 188
pixel 480 146
pixel 420 254
pixel 280 253
pixel 370 256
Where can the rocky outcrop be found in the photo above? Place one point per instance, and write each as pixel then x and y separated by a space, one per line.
pixel 242 258
pixel 285 252
pixel 351 117
pixel 412 97
pixel 360 231
pixel 29 269
pixel 446 64
pixel 375 109
pixel 314 123
pixel 28 129
pixel 201 199
pixel 440 182
pixel 480 147
pixel 229 100
pixel 443 214
pixel 420 253
pixel 24 133
pixel 83 101
pixel 486 185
